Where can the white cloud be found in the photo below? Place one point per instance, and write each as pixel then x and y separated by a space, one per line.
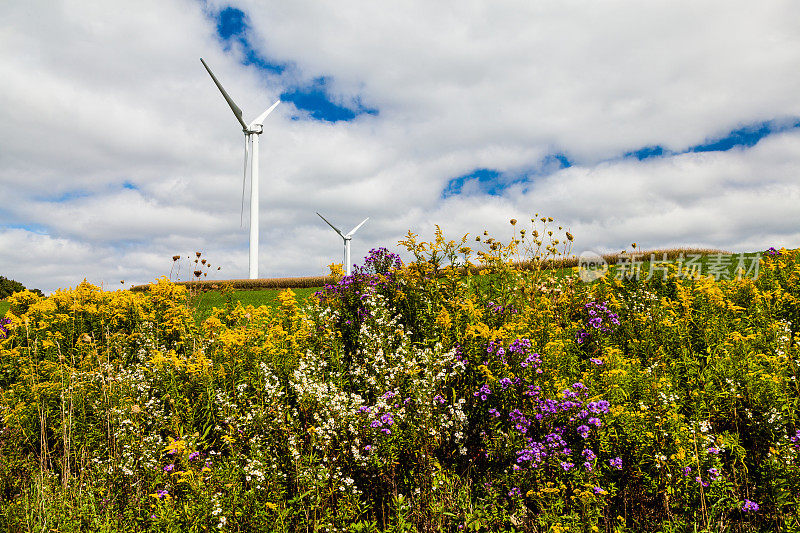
pixel 96 95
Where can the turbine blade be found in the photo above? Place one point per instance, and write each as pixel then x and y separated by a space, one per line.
pixel 352 231
pixel 331 225
pixel 234 107
pixel 244 178
pixel 262 116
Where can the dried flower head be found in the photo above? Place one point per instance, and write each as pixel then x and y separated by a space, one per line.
pixel 569 236
pixel 197 273
pixel 198 254
pixel 203 261
pixel 513 221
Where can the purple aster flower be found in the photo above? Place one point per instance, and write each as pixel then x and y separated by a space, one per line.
pixel 515 492
pixel 686 471
pixel 162 494
pixel 616 462
pixel 749 506
pixel 3 329
pixel 596 361
pixel 483 392
pixel 583 431
pixel 533 390
pixel 169 468
pixel 714 451
pixel 194 455
pixel 494 412
pixel 566 466
pixel 439 398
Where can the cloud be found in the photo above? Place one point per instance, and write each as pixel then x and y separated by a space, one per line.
pixel 118 152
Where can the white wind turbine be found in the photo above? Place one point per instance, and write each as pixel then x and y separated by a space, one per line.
pixel 251 133
pixel 347 238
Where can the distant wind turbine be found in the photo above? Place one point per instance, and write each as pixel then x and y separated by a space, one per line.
pixel 347 238
pixel 251 133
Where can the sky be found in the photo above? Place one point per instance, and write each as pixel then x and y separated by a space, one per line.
pixel 666 123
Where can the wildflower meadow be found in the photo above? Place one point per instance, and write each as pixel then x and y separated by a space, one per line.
pixel 456 392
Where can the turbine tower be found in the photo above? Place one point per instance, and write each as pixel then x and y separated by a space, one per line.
pixel 251 133
pixel 347 238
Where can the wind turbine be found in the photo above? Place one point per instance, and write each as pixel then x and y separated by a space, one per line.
pixel 347 238
pixel 251 133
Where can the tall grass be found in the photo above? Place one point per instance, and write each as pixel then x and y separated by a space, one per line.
pixel 411 398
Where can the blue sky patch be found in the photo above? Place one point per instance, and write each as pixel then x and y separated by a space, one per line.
pixel 33 228
pixel 130 186
pixel 65 197
pixel 233 27
pixel 746 136
pixel 482 180
pixel 314 99
pixel 646 152
pixel 494 183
